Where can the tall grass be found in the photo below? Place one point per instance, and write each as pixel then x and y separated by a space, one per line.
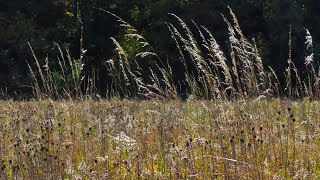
pixel 209 72
pixel 232 137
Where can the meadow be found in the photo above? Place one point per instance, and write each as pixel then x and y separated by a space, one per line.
pixel 237 122
pixel 122 139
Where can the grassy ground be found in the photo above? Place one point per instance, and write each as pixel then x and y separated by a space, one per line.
pixel 268 139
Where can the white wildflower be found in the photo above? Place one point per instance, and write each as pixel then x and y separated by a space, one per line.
pixel 68 169
pixel 49 121
pixel 123 138
pixel 199 140
pixel 67 143
pixel 110 119
pixel 102 159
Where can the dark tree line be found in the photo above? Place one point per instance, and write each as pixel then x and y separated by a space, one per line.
pixel 79 25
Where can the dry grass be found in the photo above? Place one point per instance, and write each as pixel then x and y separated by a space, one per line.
pixel 116 139
pixel 241 134
pixel 209 72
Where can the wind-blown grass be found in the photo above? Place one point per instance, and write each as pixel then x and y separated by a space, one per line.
pixel 209 72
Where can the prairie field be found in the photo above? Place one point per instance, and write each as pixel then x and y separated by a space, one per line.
pixel 132 139
pixel 207 109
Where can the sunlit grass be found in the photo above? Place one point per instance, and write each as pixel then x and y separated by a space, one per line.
pixel 269 139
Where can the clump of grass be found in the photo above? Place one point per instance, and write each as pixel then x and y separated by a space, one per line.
pixel 241 75
pixel 209 72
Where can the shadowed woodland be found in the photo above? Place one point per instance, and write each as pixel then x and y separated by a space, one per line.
pixel 88 34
